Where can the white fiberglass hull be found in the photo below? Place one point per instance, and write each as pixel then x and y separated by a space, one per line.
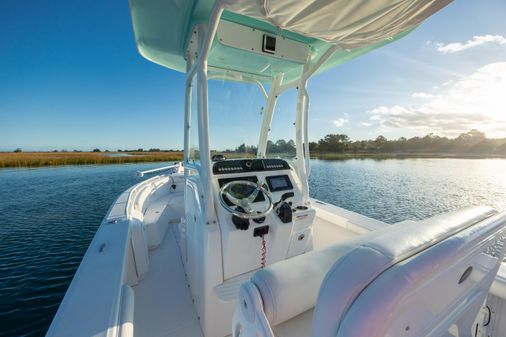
pixel 132 280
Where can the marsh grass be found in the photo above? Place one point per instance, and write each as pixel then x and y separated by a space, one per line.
pixel 39 159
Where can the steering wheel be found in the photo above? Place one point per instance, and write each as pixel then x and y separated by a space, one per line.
pixel 235 190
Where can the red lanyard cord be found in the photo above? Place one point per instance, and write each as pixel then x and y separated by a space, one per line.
pixel 263 257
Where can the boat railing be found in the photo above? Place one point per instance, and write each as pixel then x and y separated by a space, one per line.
pixel 140 193
pixel 176 166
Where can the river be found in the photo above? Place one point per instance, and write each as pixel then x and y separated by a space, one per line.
pixel 48 216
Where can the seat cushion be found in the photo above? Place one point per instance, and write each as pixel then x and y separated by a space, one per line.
pixel 290 287
pixel 377 252
pixel 443 285
pixel 297 326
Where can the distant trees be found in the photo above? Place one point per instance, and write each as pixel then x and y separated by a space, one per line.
pixel 18 150
pixel 380 142
pixel 471 142
pixel 281 146
pixel 334 143
pixel 243 148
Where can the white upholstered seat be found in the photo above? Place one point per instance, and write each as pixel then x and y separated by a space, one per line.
pixel 299 325
pixel 348 282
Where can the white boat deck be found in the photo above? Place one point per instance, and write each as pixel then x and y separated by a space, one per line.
pixel 326 233
pixel 163 305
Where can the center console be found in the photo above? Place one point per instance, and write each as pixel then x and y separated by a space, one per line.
pixel 287 230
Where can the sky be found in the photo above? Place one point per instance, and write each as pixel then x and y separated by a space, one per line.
pixel 71 78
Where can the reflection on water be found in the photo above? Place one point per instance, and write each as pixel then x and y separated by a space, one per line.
pixel 47 219
pixel 115 154
pixel 393 190
pixel 49 216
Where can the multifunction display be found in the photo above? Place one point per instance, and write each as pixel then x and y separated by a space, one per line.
pixel 279 183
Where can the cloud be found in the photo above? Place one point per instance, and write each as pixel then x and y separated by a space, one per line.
pixel 421 95
pixel 476 41
pixel 447 83
pixel 365 124
pixel 475 101
pixel 339 122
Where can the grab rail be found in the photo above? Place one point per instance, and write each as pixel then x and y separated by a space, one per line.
pixel 177 166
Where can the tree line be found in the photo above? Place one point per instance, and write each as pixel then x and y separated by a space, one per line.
pixel 280 146
pixel 471 142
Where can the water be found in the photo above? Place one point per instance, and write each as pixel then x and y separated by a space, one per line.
pixel 118 155
pixel 398 189
pixel 49 216
pixel 47 220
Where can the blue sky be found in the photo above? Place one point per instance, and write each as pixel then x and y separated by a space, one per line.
pixel 70 77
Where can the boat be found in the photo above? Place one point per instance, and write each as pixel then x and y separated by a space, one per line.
pixel 229 243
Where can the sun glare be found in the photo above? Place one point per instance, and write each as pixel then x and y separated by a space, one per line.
pixel 474 101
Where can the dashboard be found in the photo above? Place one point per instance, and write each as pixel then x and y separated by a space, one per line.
pixel 254 170
pixel 249 165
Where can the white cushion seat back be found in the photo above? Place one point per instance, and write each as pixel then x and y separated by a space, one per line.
pixel 289 288
pixel 422 295
pixel 377 252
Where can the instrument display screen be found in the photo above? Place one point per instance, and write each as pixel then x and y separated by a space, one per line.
pixel 279 183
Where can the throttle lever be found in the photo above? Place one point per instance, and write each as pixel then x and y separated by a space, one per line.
pixel 283 209
pixel 283 198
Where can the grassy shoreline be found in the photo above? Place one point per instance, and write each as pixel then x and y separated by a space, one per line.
pixel 44 159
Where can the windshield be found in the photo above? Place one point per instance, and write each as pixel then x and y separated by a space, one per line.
pixel 281 139
pixel 236 112
pixel 235 118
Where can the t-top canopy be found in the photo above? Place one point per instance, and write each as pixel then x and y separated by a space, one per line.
pixel 349 24
pixel 266 38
